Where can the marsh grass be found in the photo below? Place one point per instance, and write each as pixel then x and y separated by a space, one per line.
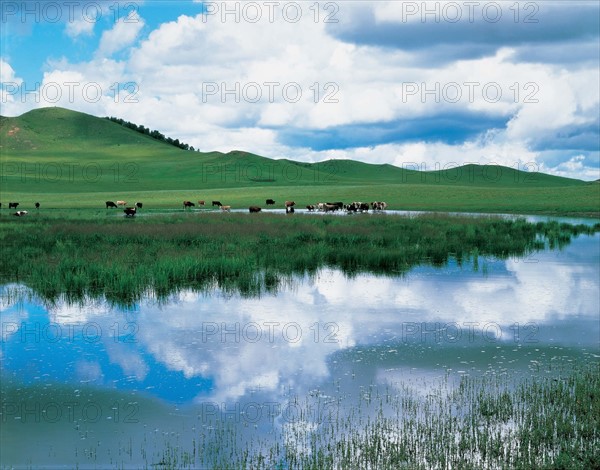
pixel 487 422
pixel 124 260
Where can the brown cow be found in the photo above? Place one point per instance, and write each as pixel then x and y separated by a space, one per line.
pixel 121 203
pixel 378 205
pixel 225 208
pixel 200 203
pixel 290 203
pixel 254 209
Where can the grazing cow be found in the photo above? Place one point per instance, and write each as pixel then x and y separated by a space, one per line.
pixel 200 203
pixel 188 204
pixel 110 204
pixel 139 205
pixel 289 209
pixel 216 203
pixel 339 205
pixel 37 205
pixel 20 213
pixel 13 205
pixel 378 206
pixel 121 203
pixel 130 211
pixel 311 207
pixel 254 209
pixel 270 202
pixel 358 206
pixel 364 207
pixel 225 208
pixel 289 204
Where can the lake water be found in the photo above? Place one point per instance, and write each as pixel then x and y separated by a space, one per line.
pixel 203 376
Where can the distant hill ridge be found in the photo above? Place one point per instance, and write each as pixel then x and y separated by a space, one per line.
pixel 52 132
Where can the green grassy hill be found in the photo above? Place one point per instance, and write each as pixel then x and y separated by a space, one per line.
pixel 66 157
pixel 51 130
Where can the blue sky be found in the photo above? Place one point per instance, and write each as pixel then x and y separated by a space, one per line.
pixel 433 83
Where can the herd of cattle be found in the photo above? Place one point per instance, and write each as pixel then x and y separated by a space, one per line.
pixel 352 207
pixel 289 206
pixel 14 205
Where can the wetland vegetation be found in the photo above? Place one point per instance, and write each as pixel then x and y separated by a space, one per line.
pixel 123 259
pixel 549 422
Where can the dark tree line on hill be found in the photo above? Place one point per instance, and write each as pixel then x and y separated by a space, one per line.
pixel 154 134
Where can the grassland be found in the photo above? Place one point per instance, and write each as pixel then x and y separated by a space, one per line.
pixel 123 259
pixel 65 159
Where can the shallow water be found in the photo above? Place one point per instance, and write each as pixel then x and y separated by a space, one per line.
pixel 97 386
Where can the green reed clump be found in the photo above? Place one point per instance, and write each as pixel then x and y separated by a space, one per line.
pixel 124 259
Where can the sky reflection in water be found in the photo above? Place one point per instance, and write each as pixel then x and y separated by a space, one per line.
pixel 199 346
pixel 103 387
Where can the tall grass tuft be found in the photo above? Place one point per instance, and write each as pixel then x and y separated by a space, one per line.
pixel 124 260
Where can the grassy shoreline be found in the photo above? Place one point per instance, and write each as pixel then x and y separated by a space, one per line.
pixel 124 259
pixel 579 201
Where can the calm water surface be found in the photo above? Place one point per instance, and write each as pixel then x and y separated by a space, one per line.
pixel 99 387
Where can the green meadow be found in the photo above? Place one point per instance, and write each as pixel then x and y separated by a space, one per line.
pixel 65 159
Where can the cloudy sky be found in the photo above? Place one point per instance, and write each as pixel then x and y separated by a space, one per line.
pixel 433 84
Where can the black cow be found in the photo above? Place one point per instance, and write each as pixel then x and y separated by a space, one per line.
pixel 13 205
pixel 130 211
pixel 188 204
pixel 111 204
pixel 37 205
pixel 254 209
pixel 139 205
pixel 358 206
pixel 216 203
pixel 338 205
pixel 270 202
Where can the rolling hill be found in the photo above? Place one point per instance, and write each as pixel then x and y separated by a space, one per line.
pixel 68 154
